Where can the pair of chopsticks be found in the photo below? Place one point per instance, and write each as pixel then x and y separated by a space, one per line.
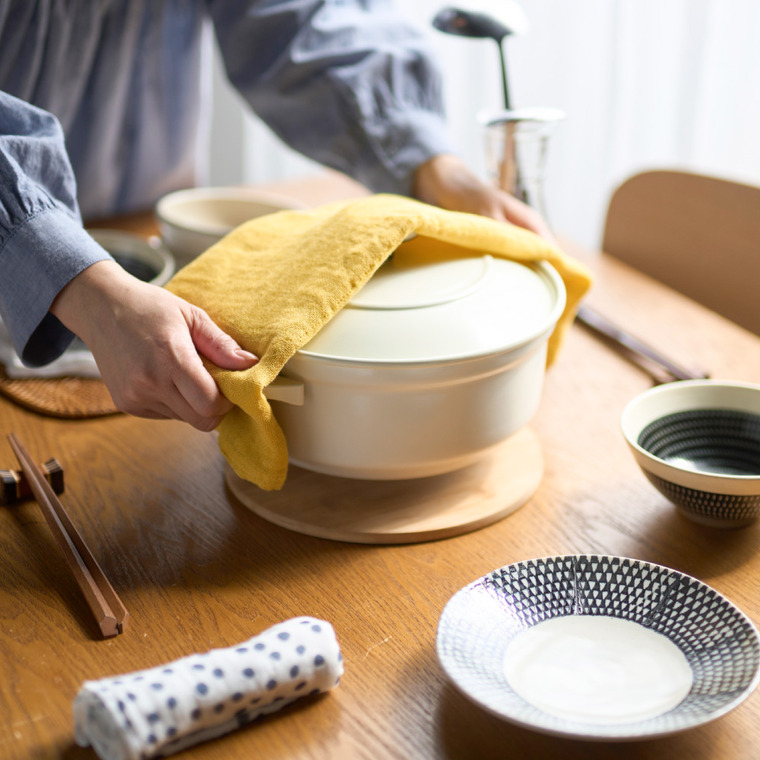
pixel 600 325
pixel 110 614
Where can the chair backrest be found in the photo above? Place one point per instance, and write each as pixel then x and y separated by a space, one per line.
pixel 699 235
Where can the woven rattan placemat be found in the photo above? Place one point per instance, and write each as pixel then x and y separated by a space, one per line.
pixel 66 397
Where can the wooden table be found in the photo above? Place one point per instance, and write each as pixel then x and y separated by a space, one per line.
pixel 197 570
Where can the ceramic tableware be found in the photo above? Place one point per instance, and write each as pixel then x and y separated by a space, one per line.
pixel 598 647
pixel 192 220
pixel 148 260
pixel 426 370
pixel 698 443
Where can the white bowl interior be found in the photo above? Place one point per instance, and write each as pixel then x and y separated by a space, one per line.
pixel 191 221
pixel 217 211
pixel 683 396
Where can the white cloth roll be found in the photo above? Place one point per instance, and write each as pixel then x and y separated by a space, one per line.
pixel 76 361
pixel 171 707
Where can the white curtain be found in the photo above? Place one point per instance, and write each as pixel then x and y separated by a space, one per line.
pixel 644 84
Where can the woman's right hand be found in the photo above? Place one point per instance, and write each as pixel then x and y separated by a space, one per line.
pixel 148 345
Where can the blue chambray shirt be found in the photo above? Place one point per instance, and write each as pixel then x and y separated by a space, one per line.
pixel 102 111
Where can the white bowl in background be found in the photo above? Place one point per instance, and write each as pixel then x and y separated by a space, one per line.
pixel 190 221
pixel 148 260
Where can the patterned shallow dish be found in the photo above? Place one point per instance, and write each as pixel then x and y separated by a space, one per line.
pixel 598 647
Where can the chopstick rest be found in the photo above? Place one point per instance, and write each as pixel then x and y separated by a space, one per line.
pixel 14 485
pixel 171 707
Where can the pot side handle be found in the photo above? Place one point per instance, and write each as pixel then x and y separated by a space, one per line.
pixel 285 389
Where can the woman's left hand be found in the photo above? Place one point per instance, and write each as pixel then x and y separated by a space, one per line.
pixel 446 181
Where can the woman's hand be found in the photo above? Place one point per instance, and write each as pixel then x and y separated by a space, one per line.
pixel 148 345
pixel 446 181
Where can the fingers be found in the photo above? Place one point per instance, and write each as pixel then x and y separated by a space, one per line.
pixel 447 182
pixel 510 209
pixel 144 340
pixel 191 396
pixel 215 344
pixel 178 408
pixel 198 399
pixel 182 387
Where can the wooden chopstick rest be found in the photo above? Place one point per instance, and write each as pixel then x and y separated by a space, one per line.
pixel 14 486
pixel 110 614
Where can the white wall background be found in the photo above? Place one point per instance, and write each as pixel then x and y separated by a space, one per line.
pixel 644 84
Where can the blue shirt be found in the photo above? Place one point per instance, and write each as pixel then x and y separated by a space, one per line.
pixel 102 112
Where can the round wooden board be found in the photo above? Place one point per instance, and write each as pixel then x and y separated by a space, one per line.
pixel 401 511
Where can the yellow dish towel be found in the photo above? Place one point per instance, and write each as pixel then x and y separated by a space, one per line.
pixel 275 281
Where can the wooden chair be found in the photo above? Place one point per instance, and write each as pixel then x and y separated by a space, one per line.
pixel 699 235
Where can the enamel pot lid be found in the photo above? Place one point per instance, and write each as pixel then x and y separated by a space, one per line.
pixel 416 310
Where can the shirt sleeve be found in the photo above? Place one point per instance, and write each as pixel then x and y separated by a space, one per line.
pixel 348 83
pixel 42 242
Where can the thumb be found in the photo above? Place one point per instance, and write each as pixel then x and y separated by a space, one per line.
pixel 216 346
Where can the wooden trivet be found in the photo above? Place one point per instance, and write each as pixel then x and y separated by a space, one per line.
pixel 401 511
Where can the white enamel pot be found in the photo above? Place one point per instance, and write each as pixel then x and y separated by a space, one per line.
pixel 428 368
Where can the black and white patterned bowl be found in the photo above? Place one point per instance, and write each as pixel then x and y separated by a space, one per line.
pixel 498 614
pixel 698 443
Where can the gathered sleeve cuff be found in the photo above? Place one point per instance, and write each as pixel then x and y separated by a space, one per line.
pixel 38 259
pixel 43 245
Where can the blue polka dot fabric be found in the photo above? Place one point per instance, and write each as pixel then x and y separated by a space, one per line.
pixel 156 712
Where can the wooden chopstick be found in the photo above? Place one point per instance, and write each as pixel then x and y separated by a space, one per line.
pixel 599 324
pixel 110 614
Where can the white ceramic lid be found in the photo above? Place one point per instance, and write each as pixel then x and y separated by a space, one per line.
pixel 414 310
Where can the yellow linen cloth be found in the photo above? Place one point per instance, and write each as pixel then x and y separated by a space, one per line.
pixel 276 280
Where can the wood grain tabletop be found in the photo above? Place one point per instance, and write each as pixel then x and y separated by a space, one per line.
pixel 198 570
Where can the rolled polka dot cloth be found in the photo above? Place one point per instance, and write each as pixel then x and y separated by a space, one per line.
pixel 156 712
